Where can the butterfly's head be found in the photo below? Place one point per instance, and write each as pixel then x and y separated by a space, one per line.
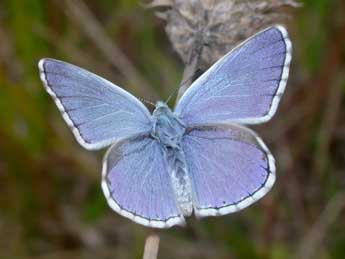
pixel 161 107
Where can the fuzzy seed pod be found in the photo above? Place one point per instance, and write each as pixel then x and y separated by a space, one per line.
pixel 210 28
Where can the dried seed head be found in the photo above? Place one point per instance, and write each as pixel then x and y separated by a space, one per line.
pixel 213 27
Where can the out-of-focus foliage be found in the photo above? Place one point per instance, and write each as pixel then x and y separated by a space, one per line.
pixel 51 204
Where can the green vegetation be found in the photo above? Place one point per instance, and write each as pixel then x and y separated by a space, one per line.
pixel 51 204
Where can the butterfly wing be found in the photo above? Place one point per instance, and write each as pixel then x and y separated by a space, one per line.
pixel 137 185
pixel 229 166
pixel 97 111
pixel 245 86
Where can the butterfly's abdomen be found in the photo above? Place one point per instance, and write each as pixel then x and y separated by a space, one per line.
pixel 180 180
pixel 168 130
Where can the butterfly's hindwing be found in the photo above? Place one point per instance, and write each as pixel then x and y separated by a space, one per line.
pixel 137 184
pixel 229 167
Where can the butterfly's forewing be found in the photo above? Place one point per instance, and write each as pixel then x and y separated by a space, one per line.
pixel 245 86
pixel 98 111
pixel 229 166
pixel 137 184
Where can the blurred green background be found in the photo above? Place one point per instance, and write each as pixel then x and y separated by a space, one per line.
pixel 51 203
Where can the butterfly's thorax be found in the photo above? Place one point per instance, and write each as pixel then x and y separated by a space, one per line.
pixel 168 130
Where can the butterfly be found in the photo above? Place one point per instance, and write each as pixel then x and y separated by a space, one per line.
pixel 197 158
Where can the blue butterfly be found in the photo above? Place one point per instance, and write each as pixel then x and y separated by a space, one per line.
pixel 197 158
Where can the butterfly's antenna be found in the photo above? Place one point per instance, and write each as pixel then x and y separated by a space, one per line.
pixel 172 94
pixel 146 101
pixel 178 88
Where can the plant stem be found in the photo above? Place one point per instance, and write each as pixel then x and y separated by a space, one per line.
pixel 151 245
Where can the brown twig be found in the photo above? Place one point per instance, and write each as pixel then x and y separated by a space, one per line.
pixel 8 57
pixel 328 124
pixel 78 11
pixel 189 74
pixel 311 244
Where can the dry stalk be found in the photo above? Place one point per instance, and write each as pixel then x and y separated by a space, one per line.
pixel 151 245
pixel 201 31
